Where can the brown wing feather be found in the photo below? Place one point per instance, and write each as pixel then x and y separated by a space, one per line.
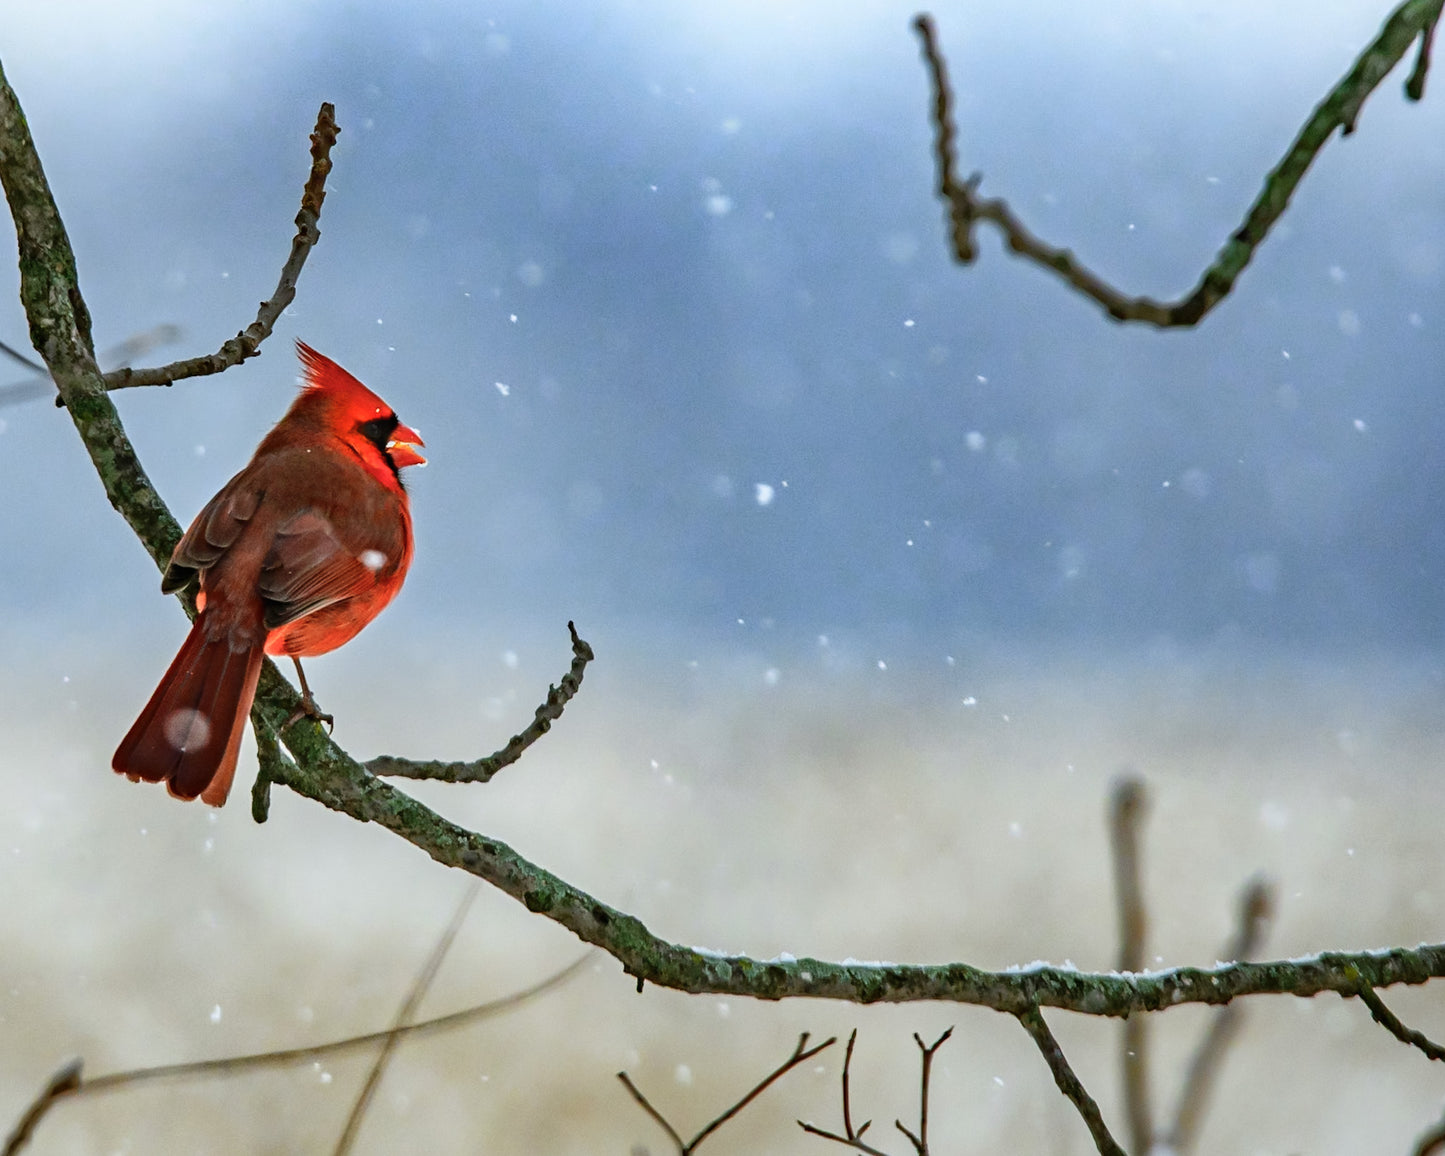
pixel 308 568
pixel 214 531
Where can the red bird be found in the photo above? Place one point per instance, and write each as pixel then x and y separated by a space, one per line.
pixel 295 555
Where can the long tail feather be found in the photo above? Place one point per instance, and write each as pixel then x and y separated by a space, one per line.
pixel 189 734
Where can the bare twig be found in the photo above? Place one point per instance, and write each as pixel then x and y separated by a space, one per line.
pixel 1034 1023
pixel 801 1054
pixel 247 343
pixel 1412 20
pixel 1392 1024
pixel 1255 908
pixel 1127 807
pixel 647 1107
pixel 855 1141
pixel 851 1137
pixel 236 1064
pixel 920 1141
pixel 403 1017
pixel 64 1083
pixel 482 770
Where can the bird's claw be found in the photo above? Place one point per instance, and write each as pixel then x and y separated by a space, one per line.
pixel 309 709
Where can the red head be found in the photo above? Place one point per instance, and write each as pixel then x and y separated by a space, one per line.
pixel 334 400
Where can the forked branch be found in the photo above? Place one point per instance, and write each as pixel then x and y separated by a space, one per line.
pixel 801 1054
pixel 852 1137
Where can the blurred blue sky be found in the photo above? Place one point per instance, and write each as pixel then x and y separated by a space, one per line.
pixel 665 289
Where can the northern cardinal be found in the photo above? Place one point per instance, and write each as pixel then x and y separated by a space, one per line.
pixel 295 555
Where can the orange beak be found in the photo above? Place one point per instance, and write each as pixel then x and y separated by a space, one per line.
pixel 402 447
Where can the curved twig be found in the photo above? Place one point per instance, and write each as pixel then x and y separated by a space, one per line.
pixel 1392 1023
pixel 67 1083
pixel 1411 21
pixel 247 343
pixel 482 770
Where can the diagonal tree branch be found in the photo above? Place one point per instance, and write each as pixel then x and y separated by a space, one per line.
pixel 1038 1029
pixel 413 1000
pixel 60 332
pixel 1411 21
pixel 247 343
pixel 1388 1020
pixel 324 772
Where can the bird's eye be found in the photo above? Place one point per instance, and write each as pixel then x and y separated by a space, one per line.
pixel 378 430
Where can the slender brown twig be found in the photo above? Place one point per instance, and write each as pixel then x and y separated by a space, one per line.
pixel 801 1054
pixel 920 1141
pixel 1255 908
pixel 854 1138
pixel 1068 1083
pixel 1411 21
pixel 1392 1024
pixel 851 1137
pixel 482 770
pixel 236 1064
pixel 408 1008
pixel 247 343
pixel 1128 804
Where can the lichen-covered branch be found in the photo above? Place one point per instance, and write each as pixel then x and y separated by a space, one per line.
pixel 1411 21
pixel 320 770
pixel 60 332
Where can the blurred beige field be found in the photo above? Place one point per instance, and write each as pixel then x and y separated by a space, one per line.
pixel 836 813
